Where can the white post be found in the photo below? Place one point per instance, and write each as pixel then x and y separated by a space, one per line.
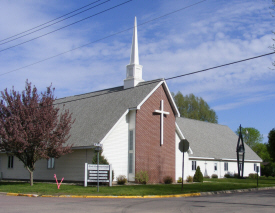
pixel 111 175
pixel 85 174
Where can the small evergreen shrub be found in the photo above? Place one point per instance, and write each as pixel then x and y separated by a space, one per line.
pixel 168 180
pixel 198 177
pixel 179 180
pixel 121 179
pixel 235 175
pixel 142 177
pixel 214 176
pixel 189 179
pixel 206 176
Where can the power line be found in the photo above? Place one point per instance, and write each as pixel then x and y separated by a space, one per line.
pixel 167 79
pixel 46 59
pixel 52 23
pixel 67 25
pixel 179 76
pixel 223 65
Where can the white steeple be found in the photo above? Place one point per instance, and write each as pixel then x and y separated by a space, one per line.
pixel 133 70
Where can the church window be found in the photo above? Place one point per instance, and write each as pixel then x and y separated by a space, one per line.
pixel 10 161
pixel 255 167
pixel 225 166
pixel 194 165
pixel 130 162
pixel 50 163
pixel 131 148
pixel 131 140
pixel 215 166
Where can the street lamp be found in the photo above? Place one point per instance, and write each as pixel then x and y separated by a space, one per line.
pixel 240 154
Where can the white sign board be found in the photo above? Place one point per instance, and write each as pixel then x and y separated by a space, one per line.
pixel 103 174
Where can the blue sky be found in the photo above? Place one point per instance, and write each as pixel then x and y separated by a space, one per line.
pixel 208 34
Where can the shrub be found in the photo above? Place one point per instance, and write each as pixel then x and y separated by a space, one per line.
pixel 121 179
pixel 214 176
pixel 142 177
pixel 252 175
pixel 198 177
pixel 179 180
pixel 189 179
pixel 168 180
pixel 235 175
pixel 206 176
pixel 227 175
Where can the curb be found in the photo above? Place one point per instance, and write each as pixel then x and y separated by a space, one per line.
pixel 145 196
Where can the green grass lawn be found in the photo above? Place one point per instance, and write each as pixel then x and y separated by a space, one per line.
pixel 141 190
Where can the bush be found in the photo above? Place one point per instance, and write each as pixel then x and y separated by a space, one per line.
pixel 235 175
pixel 142 177
pixel 206 176
pixel 168 180
pixel 198 177
pixel 214 176
pixel 189 179
pixel 121 179
pixel 227 175
pixel 179 180
pixel 252 176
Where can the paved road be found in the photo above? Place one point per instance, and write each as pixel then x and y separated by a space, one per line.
pixel 261 201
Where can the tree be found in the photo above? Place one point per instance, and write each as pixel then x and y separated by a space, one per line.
pixel 271 144
pixel 198 177
pixel 31 128
pixel 194 107
pixel 261 150
pixel 251 136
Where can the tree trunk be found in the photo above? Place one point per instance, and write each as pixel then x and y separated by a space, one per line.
pixel 31 176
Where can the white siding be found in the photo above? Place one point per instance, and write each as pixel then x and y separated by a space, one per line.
pixel 70 166
pixel 179 161
pixel 115 148
pixel 208 166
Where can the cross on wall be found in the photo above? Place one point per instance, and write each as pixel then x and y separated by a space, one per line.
pixel 162 113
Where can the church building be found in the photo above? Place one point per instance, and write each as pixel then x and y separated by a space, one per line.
pixel 139 127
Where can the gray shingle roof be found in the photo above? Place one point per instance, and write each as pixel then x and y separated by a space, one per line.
pixel 96 113
pixel 212 140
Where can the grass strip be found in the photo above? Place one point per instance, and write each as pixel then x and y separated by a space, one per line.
pixel 134 190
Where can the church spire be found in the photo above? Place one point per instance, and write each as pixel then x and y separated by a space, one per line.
pixel 134 51
pixel 133 70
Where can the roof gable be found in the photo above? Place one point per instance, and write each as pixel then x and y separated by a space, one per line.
pixel 96 113
pixel 209 140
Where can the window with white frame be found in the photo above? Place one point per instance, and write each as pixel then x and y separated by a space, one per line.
pixel 226 166
pixel 10 161
pixel 194 165
pixel 255 167
pixel 215 166
pixel 50 164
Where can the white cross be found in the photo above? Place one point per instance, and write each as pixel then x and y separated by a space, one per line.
pixel 161 120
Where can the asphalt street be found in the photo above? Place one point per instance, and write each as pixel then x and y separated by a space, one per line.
pixel 257 201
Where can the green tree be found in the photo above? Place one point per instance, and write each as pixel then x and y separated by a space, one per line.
pixel 251 136
pixel 101 158
pixel 194 107
pixel 271 144
pixel 261 150
pixel 198 177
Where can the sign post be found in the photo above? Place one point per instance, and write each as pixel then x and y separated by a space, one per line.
pixel 183 147
pixel 98 148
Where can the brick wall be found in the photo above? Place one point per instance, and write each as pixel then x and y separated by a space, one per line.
pixel 157 160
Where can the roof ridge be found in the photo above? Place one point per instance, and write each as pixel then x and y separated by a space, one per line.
pixel 202 121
